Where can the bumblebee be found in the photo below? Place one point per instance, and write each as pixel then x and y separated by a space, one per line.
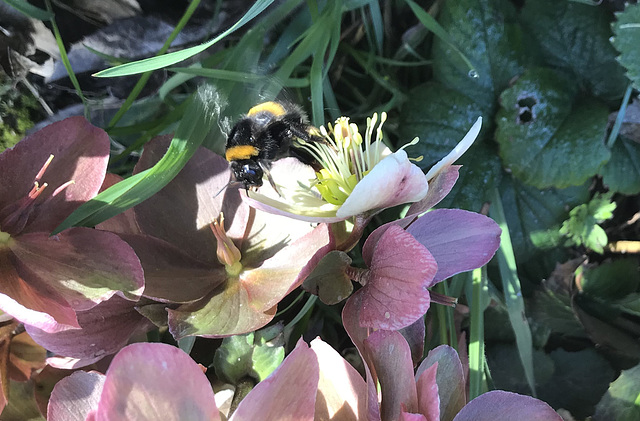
pixel 268 132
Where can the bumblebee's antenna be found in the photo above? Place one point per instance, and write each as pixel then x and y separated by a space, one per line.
pixel 265 169
pixel 231 183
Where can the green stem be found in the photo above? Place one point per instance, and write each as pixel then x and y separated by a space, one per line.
pixel 145 76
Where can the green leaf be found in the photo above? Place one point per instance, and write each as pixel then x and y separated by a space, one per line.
pixel 545 138
pixel 582 226
pixel 626 34
pixel 575 37
pixel 513 293
pixel 200 115
pixel 534 215
pixel 579 380
pixel 254 354
pixel 440 117
pixel 486 33
pixel 614 280
pixel 506 371
pixel 621 402
pixel 30 10
pixel 622 173
pixel 165 60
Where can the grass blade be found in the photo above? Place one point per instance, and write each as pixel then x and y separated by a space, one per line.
pixel 154 63
pixel 200 115
pixel 30 10
pixel 512 292
pixel 479 302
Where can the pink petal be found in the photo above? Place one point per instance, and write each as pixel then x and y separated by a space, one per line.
pixel 428 399
pixel 405 416
pixel 83 265
pixel 439 187
pixel 289 393
pixel 247 302
pixel 181 212
pixel 391 358
pixel 278 275
pixel 103 330
pixel 81 153
pixel 75 396
pixel 449 377
pixel 414 334
pixel 341 391
pixel 499 405
pixel 172 276
pixel 32 302
pixel 224 312
pixel 395 180
pixel 401 270
pixel 459 240
pixel 358 334
pixel 155 381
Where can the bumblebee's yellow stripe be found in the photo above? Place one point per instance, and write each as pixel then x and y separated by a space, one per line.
pixel 270 107
pixel 235 153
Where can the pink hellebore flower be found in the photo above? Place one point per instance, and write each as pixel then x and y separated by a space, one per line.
pixel 220 266
pixel 44 280
pixel 358 176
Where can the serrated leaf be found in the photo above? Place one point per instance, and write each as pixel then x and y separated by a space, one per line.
pixel 575 37
pixel 582 226
pixel 627 32
pixel 545 138
pixel 621 402
pixel 622 173
pixel 486 32
pixel 534 214
pixel 440 117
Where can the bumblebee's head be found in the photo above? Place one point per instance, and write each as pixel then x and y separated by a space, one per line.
pixel 248 172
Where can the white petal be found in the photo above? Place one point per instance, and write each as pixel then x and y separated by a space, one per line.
pixel 457 152
pixel 395 180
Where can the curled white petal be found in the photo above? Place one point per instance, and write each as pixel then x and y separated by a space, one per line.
pixel 458 151
pixel 395 180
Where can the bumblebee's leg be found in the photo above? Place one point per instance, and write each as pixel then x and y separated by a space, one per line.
pixel 265 168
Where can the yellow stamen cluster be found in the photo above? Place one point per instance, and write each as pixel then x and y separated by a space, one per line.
pixel 345 157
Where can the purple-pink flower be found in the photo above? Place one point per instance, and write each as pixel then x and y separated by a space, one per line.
pixel 45 280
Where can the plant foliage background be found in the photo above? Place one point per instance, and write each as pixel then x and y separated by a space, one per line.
pixel 557 163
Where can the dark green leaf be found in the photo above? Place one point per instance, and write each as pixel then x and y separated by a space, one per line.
pixel 486 33
pixel 612 280
pixel 627 33
pixel 196 123
pixel 575 37
pixel 533 215
pixel 622 400
pixel 578 382
pixel 545 138
pixel 622 173
pixel 441 117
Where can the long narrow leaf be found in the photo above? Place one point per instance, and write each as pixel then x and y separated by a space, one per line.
pixel 29 9
pixel 431 24
pixel 512 292
pixel 479 302
pixel 198 119
pixel 165 60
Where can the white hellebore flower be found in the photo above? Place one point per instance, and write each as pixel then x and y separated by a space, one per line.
pixel 357 176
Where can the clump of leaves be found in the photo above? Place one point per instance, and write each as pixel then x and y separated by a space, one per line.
pixel 582 229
